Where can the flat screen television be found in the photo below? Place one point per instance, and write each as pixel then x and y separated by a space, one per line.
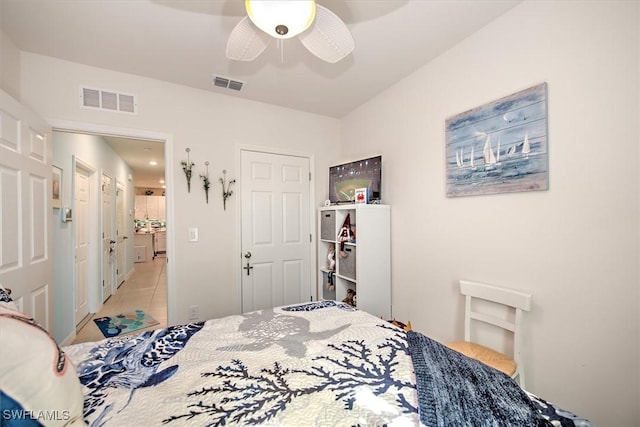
pixel 345 179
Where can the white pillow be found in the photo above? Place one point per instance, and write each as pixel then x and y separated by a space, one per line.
pixel 37 375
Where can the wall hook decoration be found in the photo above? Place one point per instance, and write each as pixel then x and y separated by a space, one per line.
pixel 205 181
pixel 187 166
pixel 226 188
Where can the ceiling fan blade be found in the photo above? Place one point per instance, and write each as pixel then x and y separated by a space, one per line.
pixel 328 38
pixel 246 42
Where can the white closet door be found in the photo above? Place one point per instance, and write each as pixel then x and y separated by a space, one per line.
pixel 26 261
pixel 276 246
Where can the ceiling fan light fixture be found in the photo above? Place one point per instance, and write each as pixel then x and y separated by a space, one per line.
pixel 281 19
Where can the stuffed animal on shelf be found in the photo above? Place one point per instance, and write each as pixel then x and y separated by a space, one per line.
pixel 330 285
pixel 331 257
pixel 350 298
pixel 331 266
pixel 330 279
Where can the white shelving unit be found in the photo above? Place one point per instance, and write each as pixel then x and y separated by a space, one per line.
pixel 367 267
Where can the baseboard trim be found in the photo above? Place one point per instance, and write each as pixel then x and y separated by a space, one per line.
pixel 69 339
pixel 129 274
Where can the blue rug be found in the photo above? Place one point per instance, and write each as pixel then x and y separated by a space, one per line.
pixel 124 323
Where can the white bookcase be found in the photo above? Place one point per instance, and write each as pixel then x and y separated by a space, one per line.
pixel 367 267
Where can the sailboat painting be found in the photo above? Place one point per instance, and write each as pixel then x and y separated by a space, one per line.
pixel 499 147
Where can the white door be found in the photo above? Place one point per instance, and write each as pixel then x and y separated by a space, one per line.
pixel 120 235
pixel 82 247
pixel 26 229
pixel 276 230
pixel 108 242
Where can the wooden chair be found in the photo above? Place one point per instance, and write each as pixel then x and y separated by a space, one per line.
pixel 476 312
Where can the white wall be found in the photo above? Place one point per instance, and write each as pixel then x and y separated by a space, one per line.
pixel 213 126
pixel 575 246
pixel 9 66
pixel 94 151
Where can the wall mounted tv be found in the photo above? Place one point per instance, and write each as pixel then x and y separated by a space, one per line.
pixel 345 179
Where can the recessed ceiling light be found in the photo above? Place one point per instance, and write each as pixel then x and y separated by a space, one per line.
pixel 153 163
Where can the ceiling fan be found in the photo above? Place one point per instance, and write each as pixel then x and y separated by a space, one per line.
pixel 321 31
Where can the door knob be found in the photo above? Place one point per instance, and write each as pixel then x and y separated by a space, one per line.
pixel 247 255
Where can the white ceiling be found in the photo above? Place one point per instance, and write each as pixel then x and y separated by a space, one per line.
pixel 184 41
pixel 138 154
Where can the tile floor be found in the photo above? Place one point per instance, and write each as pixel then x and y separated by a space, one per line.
pixel 146 289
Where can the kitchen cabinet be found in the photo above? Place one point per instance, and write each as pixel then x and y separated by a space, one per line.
pixel 140 210
pixel 150 207
pixel 162 208
pixel 160 241
pixel 145 240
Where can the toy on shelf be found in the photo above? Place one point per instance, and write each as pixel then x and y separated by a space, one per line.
pixel 346 235
pixel 331 257
pixel 331 267
pixel 351 298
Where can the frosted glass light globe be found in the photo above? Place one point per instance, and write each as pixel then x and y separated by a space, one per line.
pixel 281 19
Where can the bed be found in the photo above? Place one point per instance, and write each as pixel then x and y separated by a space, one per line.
pixel 320 363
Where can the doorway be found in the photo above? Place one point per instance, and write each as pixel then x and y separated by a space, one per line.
pixel 276 230
pixel 122 207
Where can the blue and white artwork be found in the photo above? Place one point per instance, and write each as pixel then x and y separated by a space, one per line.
pixel 499 147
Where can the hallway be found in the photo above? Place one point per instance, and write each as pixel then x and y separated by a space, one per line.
pixel 146 289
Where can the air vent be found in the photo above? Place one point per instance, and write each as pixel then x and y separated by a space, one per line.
pixel 127 103
pixel 108 100
pixel 227 83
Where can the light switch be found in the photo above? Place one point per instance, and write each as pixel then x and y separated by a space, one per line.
pixel 193 234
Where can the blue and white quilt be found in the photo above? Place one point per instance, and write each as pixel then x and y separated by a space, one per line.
pixel 322 364
pixel 314 364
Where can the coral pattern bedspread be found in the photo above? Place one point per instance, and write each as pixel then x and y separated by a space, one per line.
pixel 321 363
pixel 314 364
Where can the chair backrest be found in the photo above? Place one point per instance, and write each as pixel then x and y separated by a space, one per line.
pixel 518 301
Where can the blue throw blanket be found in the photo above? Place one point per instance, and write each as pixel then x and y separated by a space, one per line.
pixel 455 390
